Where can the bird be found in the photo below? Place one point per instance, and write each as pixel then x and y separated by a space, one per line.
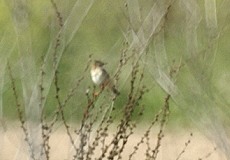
pixel 100 76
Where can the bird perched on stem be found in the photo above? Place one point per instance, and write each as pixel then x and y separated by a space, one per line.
pixel 101 78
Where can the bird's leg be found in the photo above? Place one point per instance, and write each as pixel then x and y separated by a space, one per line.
pixel 102 87
pixel 95 93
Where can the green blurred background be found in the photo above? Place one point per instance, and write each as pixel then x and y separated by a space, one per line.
pixel 101 34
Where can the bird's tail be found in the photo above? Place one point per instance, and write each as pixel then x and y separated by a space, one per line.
pixel 115 91
pixel 111 86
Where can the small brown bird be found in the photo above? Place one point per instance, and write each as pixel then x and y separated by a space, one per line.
pixel 100 76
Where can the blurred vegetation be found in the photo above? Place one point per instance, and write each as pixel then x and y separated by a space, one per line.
pixel 173 57
pixel 100 34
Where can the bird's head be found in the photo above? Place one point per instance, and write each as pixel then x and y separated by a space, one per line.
pixel 98 63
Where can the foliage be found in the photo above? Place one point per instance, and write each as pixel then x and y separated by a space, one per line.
pixel 161 48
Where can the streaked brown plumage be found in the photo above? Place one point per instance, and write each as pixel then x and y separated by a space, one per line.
pixel 100 76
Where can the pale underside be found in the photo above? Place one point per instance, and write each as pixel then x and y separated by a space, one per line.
pixel 97 76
